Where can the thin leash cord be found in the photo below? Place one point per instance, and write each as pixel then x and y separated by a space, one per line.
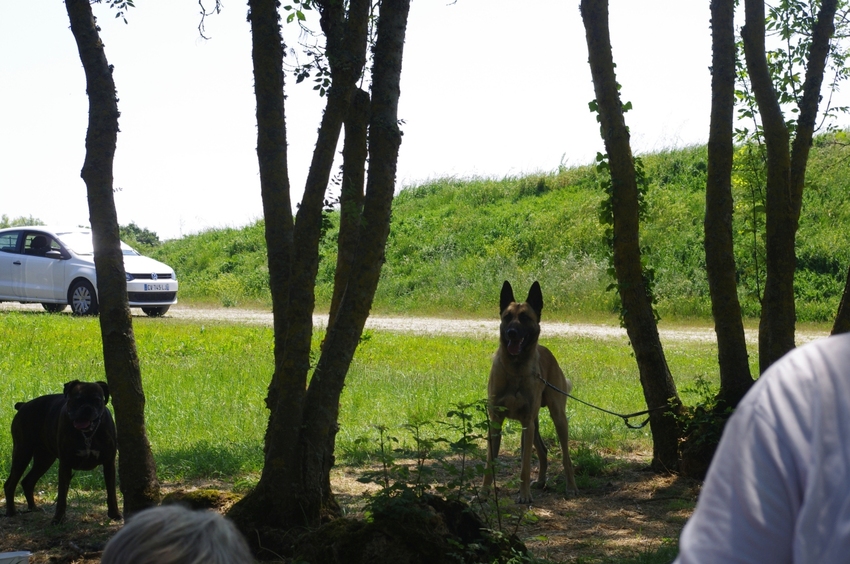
pixel 625 418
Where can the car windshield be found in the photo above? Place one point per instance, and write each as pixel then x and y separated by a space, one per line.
pixel 81 243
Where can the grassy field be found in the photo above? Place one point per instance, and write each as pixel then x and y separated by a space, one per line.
pixel 205 386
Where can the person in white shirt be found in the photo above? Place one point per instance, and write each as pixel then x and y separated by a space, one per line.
pixel 778 488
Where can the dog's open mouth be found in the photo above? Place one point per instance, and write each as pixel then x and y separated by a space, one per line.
pixel 81 425
pixel 515 346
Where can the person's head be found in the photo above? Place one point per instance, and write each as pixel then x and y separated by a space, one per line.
pixel 172 534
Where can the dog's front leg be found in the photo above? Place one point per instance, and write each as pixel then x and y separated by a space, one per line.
pixel 65 474
pixel 111 496
pixel 542 457
pixel 494 443
pixel 528 431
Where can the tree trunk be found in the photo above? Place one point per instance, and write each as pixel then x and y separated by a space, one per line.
pixel 842 318
pixel 735 377
pixel 344 330
pixel 354 156
pixel 786 172
pixel 658 387
pixel 346 53
pixel 294 487
pixel 264 506
pixel 136 468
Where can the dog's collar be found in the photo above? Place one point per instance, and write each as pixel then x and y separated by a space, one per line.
pixel 88 438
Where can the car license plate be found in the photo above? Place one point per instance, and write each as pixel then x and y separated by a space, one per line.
pixel 156 287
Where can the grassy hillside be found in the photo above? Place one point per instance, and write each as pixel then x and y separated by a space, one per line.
pixel 453 242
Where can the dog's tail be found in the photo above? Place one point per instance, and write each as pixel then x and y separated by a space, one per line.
pixel 20 404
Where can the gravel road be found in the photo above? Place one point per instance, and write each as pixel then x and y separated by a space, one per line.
pixel 435 326
pixel 473 327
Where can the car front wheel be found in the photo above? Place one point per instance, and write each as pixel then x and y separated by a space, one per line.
pixel 54 308
pixel 82 298
pixel 155 311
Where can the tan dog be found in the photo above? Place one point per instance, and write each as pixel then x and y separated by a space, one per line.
pixel 518 389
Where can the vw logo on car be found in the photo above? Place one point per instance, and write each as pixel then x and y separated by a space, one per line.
pixel 56 268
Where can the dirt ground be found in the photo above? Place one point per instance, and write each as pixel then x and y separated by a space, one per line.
pixel 624 513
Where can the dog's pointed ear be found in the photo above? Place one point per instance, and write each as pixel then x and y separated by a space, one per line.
pixel 507 296
pixel 69 386
pixel 105 388
pixel 535 299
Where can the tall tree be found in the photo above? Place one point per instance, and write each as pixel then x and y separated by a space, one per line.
pixel 786 170
pixel 735 377
pixel 136 466
pixel 354 154
pixel 638 316
pixel 842 318
pixel 294 488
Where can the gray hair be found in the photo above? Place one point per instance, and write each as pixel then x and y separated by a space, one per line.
pixel 172 534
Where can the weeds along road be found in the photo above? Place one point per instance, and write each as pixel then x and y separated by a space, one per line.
pixel 484 328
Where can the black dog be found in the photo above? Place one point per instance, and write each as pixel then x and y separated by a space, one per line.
pixel 77 428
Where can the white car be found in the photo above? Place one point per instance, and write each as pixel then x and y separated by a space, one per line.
pixel 56 268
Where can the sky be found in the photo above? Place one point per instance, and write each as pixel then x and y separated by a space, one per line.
pixel 490 88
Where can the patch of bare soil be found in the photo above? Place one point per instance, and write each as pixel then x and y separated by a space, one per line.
pixel 634 512
pixel 623 513
pixel 80 539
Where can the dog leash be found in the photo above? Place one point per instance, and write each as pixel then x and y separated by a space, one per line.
pixel 625 418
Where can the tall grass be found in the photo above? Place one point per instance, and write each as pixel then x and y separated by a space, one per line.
pixel 205 387
pixel 453 241
pixel 226 266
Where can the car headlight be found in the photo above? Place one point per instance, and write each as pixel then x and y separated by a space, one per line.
pixel 129 276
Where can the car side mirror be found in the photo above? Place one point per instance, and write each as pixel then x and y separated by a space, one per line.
pixel 54 254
